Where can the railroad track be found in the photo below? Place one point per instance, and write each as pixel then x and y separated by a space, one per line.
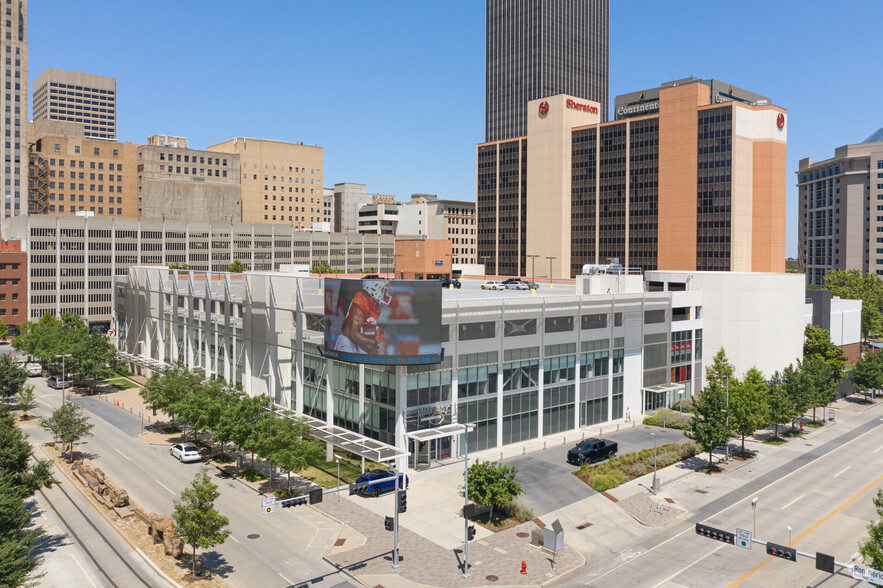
pixel 122 577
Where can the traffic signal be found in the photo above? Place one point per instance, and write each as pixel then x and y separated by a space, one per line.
pixel 713 533
pixel 470 532
pixel 294 502
pixel 403 501
pixel 315 495
pixel 388 523
pixel 357 488
pixel 788 553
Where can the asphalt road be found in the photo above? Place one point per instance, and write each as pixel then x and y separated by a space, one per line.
pixel 282 549
pixel 823 492
pixel 548 481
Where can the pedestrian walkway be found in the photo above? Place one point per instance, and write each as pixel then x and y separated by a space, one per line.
pixel 496 558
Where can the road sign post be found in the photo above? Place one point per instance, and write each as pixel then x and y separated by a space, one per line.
pixel 268 505
pixel 743 538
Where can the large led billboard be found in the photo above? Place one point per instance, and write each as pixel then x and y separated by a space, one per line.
pixel 383 321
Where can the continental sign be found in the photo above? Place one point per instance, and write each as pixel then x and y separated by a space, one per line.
pixel 642 108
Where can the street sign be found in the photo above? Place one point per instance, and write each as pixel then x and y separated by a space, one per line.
pixel 867 574
pixel 743 538
pixel 268 505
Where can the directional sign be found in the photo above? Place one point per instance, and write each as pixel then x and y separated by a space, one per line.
pixel 867 574
pixel 743 538
pixel 268 505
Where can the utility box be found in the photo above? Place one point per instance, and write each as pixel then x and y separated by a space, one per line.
pixel 536 538
pixel 553 537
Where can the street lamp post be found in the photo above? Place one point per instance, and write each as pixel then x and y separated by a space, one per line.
pixel 466 428
pixel 63 376
pixel 655 477
pixel 484 260
pixel 395 263
pixel 337 459
pixel 550 269
pixel 754 511
pixel 533 266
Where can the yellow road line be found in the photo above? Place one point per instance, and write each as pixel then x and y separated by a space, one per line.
pixel 811 529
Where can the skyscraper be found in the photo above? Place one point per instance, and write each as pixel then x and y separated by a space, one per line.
pixel 14 101
pixel 77 97
pixel 538 48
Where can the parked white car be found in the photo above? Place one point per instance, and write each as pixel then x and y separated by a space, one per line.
pixel 34 369
pixel 185 452
pixel 493 285
pixel 517 286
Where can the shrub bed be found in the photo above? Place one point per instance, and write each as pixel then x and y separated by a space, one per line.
pixel 669 419
pixel 619 470
pixel 505 517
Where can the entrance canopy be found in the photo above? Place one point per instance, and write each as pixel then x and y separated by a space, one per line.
pixel 143 361
pixel 351 441
pixel 654 397
pixel 663 388
pixel 435 433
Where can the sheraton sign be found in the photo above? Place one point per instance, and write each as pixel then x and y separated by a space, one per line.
pixel 583 107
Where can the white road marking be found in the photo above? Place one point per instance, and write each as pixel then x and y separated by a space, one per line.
pixel 841 471
pixel 234 538
pixel 45 403
pixel 286 579
pixel 723 510
pixel 682 570
pixel 161 484
pixel 792 502
pixel 76 561
pixel 878 449
pixel 121 453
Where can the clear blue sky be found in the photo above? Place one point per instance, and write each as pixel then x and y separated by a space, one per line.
pixel 394 91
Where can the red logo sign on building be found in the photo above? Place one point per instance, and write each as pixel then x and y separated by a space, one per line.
pixel 780 120
pixel 584 107
pixel 544 107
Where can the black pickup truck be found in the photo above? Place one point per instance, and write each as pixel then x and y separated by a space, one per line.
pixel 589 450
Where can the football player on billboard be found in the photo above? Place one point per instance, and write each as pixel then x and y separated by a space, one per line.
pixel 360 331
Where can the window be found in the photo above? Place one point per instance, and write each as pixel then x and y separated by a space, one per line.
pixel 57 147
pixel 76 148
pixel 96 151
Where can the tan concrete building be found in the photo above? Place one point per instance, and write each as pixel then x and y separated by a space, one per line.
pixel 698 185
pixel 14 101
pixel 281 182
pixel 841 210
pixel 178 183
pixel 73 96
pixel 69 173
pixel 454 220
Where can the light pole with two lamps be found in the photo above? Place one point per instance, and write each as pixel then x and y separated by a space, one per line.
pixel 754 511
pixel 63 376
pixel 533 272
pixel 550 258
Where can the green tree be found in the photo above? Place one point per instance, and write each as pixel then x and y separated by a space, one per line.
pixel 857 285
pixel 720 371
pixel 872 547
pixel 818 382
pixel 92 357
pixel 12 376
pixel 18 542
pixel 779 407
pixel 323 268
pixel 17 458
pixel 4 329
pixel 239 423
pixel 287 442
pixel 492 484
pixel 867 374
pixel 169 390
pixel 52 336
pixel 799 387
pixel 26 399
pixel 69 424
pixel 203 406
pixel 817 346
pixel 179 266
pixel 195 519
pixel 748 409
pixel 236 267
pixel 708 427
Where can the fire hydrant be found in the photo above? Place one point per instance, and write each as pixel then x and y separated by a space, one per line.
pixel 523 567
pixel 801 427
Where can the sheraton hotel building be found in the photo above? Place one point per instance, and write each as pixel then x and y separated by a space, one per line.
pixel 689 176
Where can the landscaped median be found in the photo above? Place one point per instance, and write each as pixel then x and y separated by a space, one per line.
pixel 619 470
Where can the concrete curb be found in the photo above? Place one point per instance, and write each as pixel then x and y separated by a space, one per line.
pixel 103 515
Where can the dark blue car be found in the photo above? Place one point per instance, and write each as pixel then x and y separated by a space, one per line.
pixel 381 481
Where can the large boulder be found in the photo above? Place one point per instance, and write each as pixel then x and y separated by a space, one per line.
pixel 156 524
pixel 172 545
pixel 119 497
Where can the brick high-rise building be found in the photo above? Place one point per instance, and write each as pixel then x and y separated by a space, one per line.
pixel 537 48
pixel 14 101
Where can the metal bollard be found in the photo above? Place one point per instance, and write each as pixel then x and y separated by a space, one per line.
pixel 584 435
pixel 501 456
pixel 564 441
pixel 617 426
pixel 523 450
pixel 544 445
pixel 600 432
